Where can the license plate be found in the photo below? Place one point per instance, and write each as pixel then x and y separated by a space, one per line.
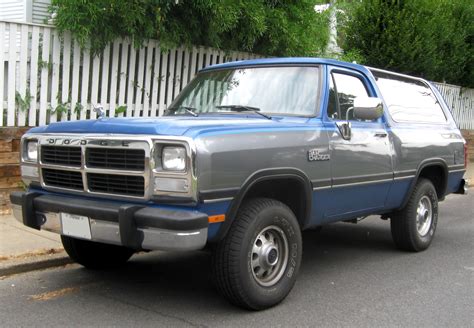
pixel 75 225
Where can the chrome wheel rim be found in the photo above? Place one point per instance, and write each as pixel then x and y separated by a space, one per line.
pixel 424 215
pixel 269 256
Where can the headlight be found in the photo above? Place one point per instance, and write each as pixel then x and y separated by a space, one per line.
pixel 173 158
pixel 31 150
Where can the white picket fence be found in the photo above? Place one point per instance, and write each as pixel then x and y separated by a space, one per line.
pixel 45 77
pixel 461 102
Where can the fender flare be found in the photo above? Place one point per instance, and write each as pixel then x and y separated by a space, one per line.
pixel 265 175
pixel 439 162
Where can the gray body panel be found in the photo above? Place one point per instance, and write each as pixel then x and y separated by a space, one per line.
pixel 362 161
pixel 226 161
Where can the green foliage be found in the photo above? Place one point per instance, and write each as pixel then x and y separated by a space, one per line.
pixel 120 110
pixel 271 27
pixel 433 39
pixel 42 64
pixel 60 109
pixel 23 103
pixel 23 186
pixel 78 108
pixel 352 56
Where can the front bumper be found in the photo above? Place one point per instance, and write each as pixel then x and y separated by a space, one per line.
pixel 131 225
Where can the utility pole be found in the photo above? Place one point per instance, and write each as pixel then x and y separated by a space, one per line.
pixel 332 48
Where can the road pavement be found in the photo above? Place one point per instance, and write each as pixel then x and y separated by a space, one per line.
pixel 351 276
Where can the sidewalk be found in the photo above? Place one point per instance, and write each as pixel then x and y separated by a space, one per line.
pixel 23 249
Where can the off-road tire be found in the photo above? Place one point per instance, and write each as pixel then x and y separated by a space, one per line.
pixel 95 255
pixel 403 223
pixel 234 262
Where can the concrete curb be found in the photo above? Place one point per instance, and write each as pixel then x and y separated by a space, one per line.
pixel 32 263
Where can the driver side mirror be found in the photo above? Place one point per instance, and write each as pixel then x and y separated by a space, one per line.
pixel 367 108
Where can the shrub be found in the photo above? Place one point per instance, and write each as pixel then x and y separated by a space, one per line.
pixel 270 27
pixel 433 39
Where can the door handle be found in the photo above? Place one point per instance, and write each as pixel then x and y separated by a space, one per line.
pixel 380 134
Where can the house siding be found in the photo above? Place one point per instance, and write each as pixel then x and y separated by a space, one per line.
pixel 40 12
pixel 13 10
pixel 25 11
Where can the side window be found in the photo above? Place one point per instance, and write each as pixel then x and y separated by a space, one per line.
pixel 409 100
pixel 348 87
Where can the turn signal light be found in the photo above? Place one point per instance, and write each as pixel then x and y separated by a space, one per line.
pixel 217 218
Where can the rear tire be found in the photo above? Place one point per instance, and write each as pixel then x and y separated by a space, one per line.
pixel 414 226
pixel 95 255
pixel 256 265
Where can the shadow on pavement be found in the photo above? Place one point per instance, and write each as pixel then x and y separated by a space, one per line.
pixel 160 280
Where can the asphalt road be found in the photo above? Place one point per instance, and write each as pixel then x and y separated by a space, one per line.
pixel 351 276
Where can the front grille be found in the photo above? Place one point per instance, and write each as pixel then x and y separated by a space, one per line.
pixel 63 179
pixel 116 184
pixel 95 166
pixel 116 158
pixel 59 155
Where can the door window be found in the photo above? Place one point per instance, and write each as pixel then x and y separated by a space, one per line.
pixel 343 88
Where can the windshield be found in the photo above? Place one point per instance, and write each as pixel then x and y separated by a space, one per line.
pixel 272 90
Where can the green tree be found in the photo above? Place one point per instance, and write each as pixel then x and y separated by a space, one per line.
pixel 270 27
pixel 433 39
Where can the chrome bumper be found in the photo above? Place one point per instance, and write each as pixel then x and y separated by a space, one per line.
pixel 142 237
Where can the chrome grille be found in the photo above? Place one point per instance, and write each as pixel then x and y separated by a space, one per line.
pixel 116 158
pixel 108 166
pixel 129 185
pixel 61 155
pixel 63 179
pixel 97 165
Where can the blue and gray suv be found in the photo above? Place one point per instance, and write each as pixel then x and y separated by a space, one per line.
pixel 248 155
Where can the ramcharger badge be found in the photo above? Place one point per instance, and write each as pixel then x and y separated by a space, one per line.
pixel 315 155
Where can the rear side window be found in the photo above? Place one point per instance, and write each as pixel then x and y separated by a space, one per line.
pixel 409 100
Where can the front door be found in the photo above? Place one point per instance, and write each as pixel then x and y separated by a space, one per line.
pixel 361 167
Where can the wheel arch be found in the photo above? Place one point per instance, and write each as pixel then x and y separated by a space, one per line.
pixel 257 184
pixel 435 170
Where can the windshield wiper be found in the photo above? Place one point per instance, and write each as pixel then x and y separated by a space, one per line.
pixel 189 110
pixel 243 108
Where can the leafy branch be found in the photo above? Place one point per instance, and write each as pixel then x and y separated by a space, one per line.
pixel 120 110
pixel 23 103
pixel 278 28
pixel 60 109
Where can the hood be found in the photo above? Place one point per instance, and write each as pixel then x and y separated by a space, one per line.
pixel 172 125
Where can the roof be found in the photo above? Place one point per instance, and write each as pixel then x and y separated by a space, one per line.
pixel 287 61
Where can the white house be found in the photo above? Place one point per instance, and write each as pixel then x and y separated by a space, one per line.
pixel 25 11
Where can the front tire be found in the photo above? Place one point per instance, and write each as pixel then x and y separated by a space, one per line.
pixel 256 265
pixel 95 255
pixel 413 227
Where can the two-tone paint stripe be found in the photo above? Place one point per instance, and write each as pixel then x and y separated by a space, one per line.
pixel 350 181
pixel 456 168
pixel 228 194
